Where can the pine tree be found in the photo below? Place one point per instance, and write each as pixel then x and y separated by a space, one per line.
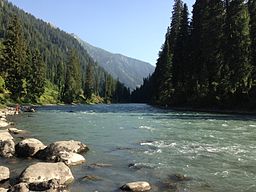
pixel 89 82
pixel 237 54
pixel 37 76
pixel 72 86
pixel 175 23
pixel 180 57
pixel 252 11
pixel 212 48
pixel 15 58
pixel 199 70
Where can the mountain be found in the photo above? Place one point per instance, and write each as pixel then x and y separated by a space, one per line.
pixel 55 47
pixel 129 71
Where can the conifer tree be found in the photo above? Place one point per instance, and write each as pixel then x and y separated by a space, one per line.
pixel 89 82
pixel 237 54
pixel 252 11
pixel 180 57
pixel 14 62
pixel 212 47
pixel 175 23
pixel 72 86
pixel 199 71
pixel 37 75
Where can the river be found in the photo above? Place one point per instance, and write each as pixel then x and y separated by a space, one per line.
pixel 214 152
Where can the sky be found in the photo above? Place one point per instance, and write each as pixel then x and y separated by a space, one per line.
pixel 135 28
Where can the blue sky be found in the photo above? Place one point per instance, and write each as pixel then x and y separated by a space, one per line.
pixel 135 28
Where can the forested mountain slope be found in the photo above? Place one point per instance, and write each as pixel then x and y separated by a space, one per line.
pixel 129 71
pixel 57 49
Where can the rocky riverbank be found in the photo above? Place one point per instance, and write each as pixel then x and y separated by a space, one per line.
pixel 51 171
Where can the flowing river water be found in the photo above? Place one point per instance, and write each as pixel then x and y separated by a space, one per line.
pixel 173 151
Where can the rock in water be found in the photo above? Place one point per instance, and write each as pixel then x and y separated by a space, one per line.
pixel 4 173
pixel 44 175
pixel 6 144
pixel 69 146
pixel 28 147
pixel 16 131
pixel 53 150
pixel 70 158
pixel 136 186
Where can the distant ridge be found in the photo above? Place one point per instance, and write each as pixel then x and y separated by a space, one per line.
pixel 128 70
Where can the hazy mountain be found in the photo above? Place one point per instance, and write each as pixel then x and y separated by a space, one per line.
pixel 128 70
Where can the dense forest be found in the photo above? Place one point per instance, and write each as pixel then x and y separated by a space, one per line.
pixel 40 63
pixel 208 61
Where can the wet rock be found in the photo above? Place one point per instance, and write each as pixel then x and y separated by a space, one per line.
pixel 7 148
pixel 4 173
pixel 69 146
pixel 100 165
pixel 136 186
pixel 51 152
pixel 28 147
pixel 21 187
pixel 16 131
pixel 179 178
pixel 91 178
pixel 70 158
pixel 47 174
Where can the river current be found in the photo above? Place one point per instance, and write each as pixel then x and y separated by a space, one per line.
pixel 173 151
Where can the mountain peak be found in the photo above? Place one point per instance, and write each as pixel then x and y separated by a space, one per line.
pixel 127 70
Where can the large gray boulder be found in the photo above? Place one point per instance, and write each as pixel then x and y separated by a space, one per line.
pixel 7 146
pixel 47 175
pixel 4 173
pixel 136 186
pixel 28 147
pixel 52 152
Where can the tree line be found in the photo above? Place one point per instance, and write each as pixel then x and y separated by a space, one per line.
pixel 208 61
pixel 35 56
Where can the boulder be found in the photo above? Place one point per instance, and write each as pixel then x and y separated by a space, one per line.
pixel 136 186
pixel 43 175
pixel 4 173
pixel 53 150
pixel 5 135
pixel 21 187
pixel 69 146
pixel 16 131
pixel 28 147
pixel 3 123
pixel 70 158
pixel 7 148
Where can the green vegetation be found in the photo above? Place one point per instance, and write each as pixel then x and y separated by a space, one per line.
pixel 208 62
pixel 39 63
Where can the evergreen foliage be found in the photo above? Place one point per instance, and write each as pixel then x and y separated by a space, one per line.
pixel 59 59
pixel 14 61
pixel 210 61
pixel 89 82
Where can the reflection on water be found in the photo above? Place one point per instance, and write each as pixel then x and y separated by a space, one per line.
pixel 141 142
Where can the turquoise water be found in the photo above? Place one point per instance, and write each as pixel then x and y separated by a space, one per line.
pixel 216 152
